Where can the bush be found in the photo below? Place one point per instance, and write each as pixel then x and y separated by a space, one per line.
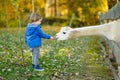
pixel 62 22
pixel 2 23
pixel 53 21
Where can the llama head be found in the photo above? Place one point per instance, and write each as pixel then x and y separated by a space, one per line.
pixel 64 33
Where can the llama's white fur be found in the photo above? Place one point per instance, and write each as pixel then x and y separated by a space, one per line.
pixel 110 30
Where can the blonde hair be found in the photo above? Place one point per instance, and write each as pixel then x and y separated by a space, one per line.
pixel 35 17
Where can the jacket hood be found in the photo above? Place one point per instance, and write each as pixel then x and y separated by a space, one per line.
pixel 31 28
pixel 32 25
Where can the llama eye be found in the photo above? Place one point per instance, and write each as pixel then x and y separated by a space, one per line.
pixel 64 32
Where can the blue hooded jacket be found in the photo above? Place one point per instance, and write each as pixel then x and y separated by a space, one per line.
pixel 34 34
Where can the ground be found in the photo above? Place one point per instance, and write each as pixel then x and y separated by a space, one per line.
pixel 74 59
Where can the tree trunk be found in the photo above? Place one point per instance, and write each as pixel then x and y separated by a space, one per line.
pixel 46 8
pixel 57 8
pixel 33 9
pixel 6 16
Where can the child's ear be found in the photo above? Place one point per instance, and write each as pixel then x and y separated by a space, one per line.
pixel 34 19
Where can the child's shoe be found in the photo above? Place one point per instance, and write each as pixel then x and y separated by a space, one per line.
pixel 37 68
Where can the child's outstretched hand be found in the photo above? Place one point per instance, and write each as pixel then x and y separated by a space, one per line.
pixel 52 38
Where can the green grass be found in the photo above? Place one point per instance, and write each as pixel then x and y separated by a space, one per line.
pixel 74 59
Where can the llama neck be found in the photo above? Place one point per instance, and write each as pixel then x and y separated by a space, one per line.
pixel 103 30
pixel 92 30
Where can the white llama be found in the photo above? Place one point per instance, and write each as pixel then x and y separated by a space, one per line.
pixel 109 30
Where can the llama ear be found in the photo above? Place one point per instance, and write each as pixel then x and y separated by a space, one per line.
pixel 69 28
pixel 65 28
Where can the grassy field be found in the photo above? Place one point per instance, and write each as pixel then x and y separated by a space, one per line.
pixel 74 59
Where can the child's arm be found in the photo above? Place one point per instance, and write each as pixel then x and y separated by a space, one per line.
pixel 42 34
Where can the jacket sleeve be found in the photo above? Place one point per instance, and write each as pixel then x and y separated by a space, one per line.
pixel 42 34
